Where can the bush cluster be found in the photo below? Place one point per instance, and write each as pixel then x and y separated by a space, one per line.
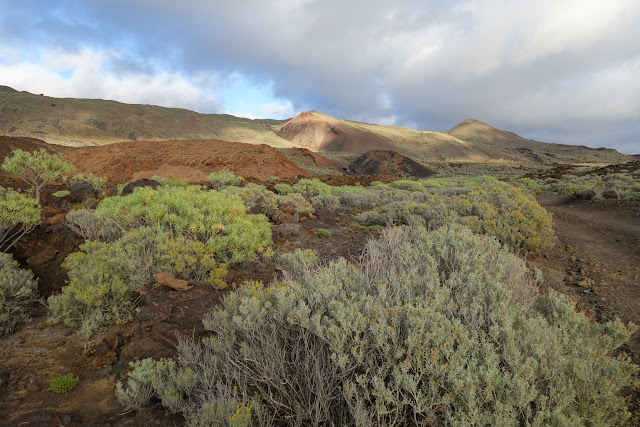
pixel 440 328
pixel 186 231
pixel 486 205
pixel 18 292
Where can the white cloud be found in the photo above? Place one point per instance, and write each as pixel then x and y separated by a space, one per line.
pixel 89 78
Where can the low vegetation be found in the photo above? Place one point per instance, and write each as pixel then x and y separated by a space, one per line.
pixel 186 231
pixel 433 328
pixel 64 383
pixel 18 293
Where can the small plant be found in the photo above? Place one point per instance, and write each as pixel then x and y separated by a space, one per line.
pixel 323 233
pixel 36 169
pixel 224 178
pixel 64 383
pixel 61 193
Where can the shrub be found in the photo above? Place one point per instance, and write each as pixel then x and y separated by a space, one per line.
pixel 64 383
pixel 217 219
pixel 255 196
pixel 323 233
pixel 36 169
pixel 409 185
pixel 19 214
pixel 299 203
pixel 86 224
pixel 490 207
pixel 310 188
pixel 441 328
pixel 328 201
pixel 18 292
pixel 224 178
pixel 105 279
pixel 61 193
pixel 283 188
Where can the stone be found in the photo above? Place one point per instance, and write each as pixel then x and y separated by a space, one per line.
pixel 128 189
pixel 81 191
pixel 611 193
pixel 583 283
pixel 167 279
pixel 113 341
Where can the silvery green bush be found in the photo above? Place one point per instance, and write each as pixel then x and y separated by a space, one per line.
pixel 431 328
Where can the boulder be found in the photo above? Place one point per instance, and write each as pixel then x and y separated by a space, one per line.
pixel 81 191
pixel 167 279
pixel 128 189
pixel 611 193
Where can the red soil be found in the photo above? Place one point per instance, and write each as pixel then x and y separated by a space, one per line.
pixel 191 160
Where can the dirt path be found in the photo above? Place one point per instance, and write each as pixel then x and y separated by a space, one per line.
pixel 596 260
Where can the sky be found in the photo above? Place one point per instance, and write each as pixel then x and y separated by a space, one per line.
pixel 565 71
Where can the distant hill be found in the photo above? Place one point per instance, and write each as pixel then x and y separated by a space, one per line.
pixel 95 122
pixel 87 122
pixel 483 135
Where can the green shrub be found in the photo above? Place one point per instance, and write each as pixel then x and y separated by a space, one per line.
pixel 170 181
pixel 18 292
pixel 441 328
pixel 489 207
pixel 64 383
pixel 409 185
pixel 36 169
pixel 283 188
pixel 19 214
pixel 217 219
pixel 61 193
pixel 310 188
pixel 105 279
pixel 323 233
pixel 299 203
pixel 527 183
pixel 255 196
pixel 224 178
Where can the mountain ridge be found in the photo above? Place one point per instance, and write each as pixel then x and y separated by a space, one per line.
pixel 95 122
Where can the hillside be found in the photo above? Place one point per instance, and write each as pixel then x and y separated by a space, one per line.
pixel 483 135
pixel 94 122
pixel 83 122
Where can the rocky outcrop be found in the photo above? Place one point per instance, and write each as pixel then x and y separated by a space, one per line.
pixel 377 162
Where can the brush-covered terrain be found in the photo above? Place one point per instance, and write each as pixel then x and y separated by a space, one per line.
pixel 205 282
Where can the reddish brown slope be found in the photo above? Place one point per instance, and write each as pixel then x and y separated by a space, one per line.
pixel 320 132
pixel 191 160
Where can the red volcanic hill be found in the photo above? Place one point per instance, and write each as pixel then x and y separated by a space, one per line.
pixel 191 160
pixel 320 132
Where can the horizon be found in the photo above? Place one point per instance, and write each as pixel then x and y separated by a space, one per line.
pixel 560 72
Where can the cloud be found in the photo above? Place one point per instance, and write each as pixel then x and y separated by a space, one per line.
pixel 544 67
pixel 85 74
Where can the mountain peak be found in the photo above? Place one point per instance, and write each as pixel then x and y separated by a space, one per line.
pixel 7 89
